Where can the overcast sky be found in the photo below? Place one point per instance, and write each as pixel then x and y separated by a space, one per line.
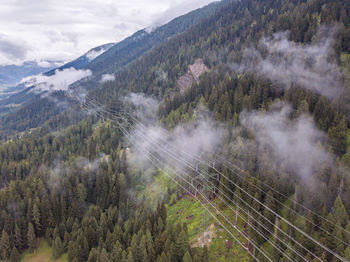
pixel 43 30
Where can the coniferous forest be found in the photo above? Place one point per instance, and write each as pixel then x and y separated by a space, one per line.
pixel 276 84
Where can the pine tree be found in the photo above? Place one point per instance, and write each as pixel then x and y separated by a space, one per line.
pixel 103 256
pixel 94 255
pixel 15 256
pixel 5 247
pixel 142 252
pixel 31 238
pixel 18 239
pixel 36 217
pixel 150 246
pixel 187 257
pixel 181 245
pixel 339 212
pixel 73 251
pixel 130 257
pixel 162 258
pixel 116 252
pixel 347 253
pixel 57 248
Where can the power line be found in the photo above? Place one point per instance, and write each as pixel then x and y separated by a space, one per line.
pixel 226 196
pixel 300 231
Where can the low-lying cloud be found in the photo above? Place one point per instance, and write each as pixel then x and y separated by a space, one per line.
pixel 178 148
pixel 91 55
pixel 294 143
pixel 286 62
pixel 107 77
pixel 61 80
pixel 145 107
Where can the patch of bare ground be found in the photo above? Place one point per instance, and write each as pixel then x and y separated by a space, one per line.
pixel 192 76
pixel 206 238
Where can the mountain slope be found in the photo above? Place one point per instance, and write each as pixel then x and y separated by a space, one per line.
pixel 115 58
pixel 142 41
pixel 83 60
pixel 285 149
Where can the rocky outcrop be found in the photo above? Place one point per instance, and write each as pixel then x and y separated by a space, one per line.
pixel 192 75
pixel 198 68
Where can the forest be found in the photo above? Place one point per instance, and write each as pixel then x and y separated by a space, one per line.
pixel 70 181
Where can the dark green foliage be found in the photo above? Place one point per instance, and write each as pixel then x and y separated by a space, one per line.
pixel 35 110
pixel 187 257
pixel 92 214
pixel 86 212
pixel 57 248
pixel 5 245
pixel 31 237
pixel 15 256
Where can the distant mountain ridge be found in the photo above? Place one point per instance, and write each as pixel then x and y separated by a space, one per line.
pixel 83 60
pixel 142 41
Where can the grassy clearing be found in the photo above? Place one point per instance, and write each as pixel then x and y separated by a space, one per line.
pixel 156 188
pixel 222 247
pixel 190 211
pixel 42 254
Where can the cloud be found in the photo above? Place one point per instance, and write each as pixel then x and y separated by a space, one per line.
pixel 176 11
pixel 12 50
pixel 145 107
pixel 64 30
pixel 107 77
pixel 91 55
pixel 195 139
pixel 61 80
pixel 44 64
pixel 294 143
pixel 60 170
pixel 176 148
pixel 287 62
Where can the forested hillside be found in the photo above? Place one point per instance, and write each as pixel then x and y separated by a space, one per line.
pixel 276 92
pixel 31 108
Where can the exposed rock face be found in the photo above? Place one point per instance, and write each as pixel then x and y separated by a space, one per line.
pixel 185 81
pixel 192 75
pixel 198 68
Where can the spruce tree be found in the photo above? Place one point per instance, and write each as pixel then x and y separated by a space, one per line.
pixel 36 216
pixel 339 212
pixel 187 257
pixel 5 247
pixel 94 255
pixel 57 248
pixel 347 253
pixel 31 238
pixel 15 256
pixel 117 252
pixel 18 239
pixel 103 255
pixel 162 258
pixel 181 245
